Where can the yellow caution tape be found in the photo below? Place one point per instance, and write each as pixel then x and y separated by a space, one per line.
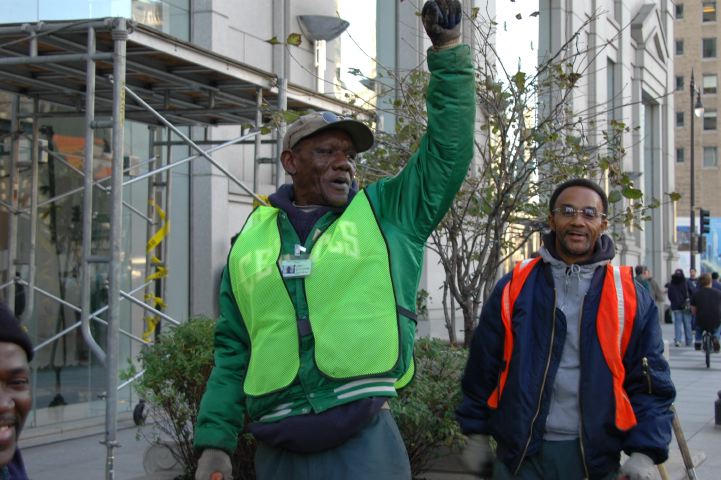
pixel 256 203
pixel 151 324
pixel 158 237
pixel 161 272
pixel 156 302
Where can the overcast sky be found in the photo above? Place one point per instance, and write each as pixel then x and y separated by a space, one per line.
pixel 517 39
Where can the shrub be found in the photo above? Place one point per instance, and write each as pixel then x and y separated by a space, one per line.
pixel 424 411
pixel 176 372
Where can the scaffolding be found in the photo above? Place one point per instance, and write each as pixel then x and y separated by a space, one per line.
pixel 106 71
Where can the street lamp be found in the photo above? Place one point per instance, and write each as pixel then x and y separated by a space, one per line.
pixel 698 112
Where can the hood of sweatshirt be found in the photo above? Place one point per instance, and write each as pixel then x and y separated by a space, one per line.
pixel 571 283
pixel 304 219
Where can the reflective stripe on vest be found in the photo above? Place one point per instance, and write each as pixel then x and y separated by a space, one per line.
pixel 508 300
pixel 349 293
pixel 614 324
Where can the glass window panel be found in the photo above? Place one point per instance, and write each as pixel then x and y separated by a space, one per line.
pixel 680 155
pixel 679 119
pixel 67 377
pixel 709 12
pixel 710 156
pixel 679 82
pixel 708 47
pixel 679 10
pixel 709 119
pixel 169 16
pixel 710 83
pixel 679 47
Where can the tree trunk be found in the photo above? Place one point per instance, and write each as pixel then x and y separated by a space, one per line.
pixel 450 315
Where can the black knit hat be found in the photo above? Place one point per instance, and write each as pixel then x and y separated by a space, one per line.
pixel 12 332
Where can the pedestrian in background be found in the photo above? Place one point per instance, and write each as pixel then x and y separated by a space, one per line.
pixel 693 286
pixel 641 277
pixel 656 293
pixel 680 297
pixel 692 281
pixel 16 351
pixel 714 281
pixel 318 296
pixel 566 368
pixel 706 306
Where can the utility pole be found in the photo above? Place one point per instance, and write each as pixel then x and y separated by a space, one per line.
pixel 692 173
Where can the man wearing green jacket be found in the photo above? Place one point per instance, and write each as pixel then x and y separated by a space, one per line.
pixel 317 300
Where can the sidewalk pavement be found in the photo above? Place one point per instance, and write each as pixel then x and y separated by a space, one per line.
pixel 77 454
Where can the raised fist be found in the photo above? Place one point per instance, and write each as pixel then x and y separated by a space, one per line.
pixel 442 21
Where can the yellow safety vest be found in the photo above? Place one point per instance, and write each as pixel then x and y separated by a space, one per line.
pixel 350 297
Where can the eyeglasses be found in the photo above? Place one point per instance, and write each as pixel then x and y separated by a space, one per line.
pixel 589 213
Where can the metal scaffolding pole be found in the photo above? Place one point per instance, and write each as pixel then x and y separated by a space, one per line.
pixel 167 204
pixel 195 146
pixel 258 122
pixel 13 192
pixel 120 38
pixel 34 173
pixel 87 218
pixel 282 106
pixel 191 158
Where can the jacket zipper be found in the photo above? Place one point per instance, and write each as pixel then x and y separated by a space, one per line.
pixel 543 386
pixel 644 365
pixel 580 405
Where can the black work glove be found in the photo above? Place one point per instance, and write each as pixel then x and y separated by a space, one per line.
pixel 442 21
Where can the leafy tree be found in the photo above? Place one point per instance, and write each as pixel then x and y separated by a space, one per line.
pixel 529 140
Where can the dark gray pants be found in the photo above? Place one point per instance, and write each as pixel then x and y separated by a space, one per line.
pixel 377 452
pixel 555 461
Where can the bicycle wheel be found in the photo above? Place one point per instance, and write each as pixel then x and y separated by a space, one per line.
pixel 707 348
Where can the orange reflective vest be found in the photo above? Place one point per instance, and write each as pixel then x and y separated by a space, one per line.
pixel 614 324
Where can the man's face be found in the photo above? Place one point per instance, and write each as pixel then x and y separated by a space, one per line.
pixel 322 167
pixel 15 399
pixel 692 273
pixel 576 235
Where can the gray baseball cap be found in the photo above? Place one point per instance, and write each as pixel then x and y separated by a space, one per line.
pixel 316 122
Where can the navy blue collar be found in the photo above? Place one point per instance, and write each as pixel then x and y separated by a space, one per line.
pixel 303 221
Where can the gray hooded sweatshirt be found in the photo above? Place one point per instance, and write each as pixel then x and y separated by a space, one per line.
pixel 571 283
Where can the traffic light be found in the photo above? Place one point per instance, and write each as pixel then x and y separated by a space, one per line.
pixel 702 244
pixel 704 221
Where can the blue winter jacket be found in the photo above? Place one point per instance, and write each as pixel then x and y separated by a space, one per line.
pixel 539 329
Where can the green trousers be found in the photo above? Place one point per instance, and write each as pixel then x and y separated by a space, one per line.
pixel 377 453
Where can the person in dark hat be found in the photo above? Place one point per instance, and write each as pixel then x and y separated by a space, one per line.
pixel 317 301
pixel 16 351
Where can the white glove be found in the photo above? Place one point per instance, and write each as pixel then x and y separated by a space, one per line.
pixel 214 464
pixel 477 456
pixel 637 467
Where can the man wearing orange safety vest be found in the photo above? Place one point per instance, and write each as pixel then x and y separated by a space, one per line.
pixel 566 367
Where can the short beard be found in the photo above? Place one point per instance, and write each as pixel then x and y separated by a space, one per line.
pixel 568 253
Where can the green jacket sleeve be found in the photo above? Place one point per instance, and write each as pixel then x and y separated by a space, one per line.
pixel 418 197
pixel 221 412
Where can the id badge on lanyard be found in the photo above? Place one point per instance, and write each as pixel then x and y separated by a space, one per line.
pixel 297 265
